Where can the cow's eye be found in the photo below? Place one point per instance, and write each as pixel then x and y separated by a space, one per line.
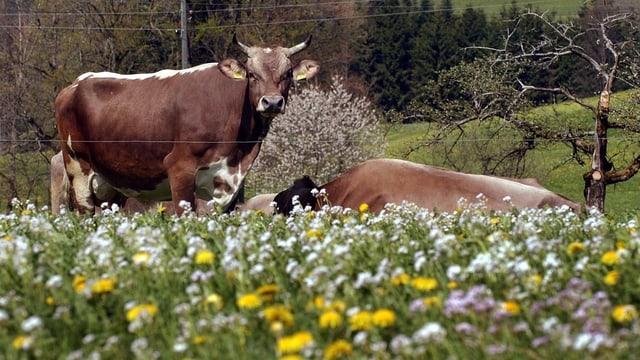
pixel 288 75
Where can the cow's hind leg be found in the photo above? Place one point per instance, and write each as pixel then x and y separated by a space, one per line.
pixel 79 173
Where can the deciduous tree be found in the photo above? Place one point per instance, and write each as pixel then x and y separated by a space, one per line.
pixel 322 134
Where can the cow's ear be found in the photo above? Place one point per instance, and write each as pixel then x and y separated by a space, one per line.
pixel 233 69
pixel 306 69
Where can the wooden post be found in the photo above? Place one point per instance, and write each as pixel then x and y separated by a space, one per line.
pixel 183 34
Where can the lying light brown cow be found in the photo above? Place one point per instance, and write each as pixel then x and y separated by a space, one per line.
pixel 382 181
pixel 60 196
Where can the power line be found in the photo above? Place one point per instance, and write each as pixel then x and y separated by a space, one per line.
pixel 253 23
pixel 310 4
pixel 329 141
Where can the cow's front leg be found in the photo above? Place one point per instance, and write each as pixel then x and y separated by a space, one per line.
pixel 182 181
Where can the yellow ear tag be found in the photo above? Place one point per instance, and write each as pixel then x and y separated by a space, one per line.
pixel 301 76
pixel 238 75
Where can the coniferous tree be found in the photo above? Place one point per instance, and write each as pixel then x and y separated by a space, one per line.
pixel 473 32
pixel 423 70
pixel 385 60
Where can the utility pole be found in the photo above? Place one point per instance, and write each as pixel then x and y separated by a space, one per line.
pixel 183 34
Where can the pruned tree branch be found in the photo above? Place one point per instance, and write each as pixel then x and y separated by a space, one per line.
pixel 557 90
pixel 612 177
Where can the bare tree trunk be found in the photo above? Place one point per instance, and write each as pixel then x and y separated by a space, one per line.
pixel 595 181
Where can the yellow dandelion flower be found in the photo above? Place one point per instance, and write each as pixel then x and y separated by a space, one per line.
pixel 278 313
pixel 204 257
pixel 534 280
pixel 383 318
pixel 26 212
pixel 620 245
pixel 631 230
pixel 267 292
pixel 364 207
pixel 316 303
pixel 249 301
pixel 330 319
pixel 338 349
pixel 338 305
pixel 161 209
pixel 401 279
pixel 624 313
pixel 276 328
pixel 612 277
pixel 452 285
pixel 215 300
pixel 610 258
pixel 146 311
pixel 50 301
pixel 103 286
pixel 141 258
pixel 7 238
pixel 291 357
pixel 22 342
pixel 511 307
pixel 294 343
pixel 424 283
pixel 362 320
pixel 495 220
pixel 200 339
pixel 432 301
pixel 575 247
pixel 79 283
pixel 314 233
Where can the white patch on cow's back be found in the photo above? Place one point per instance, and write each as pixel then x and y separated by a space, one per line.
pixel 162 74
pixel 205 188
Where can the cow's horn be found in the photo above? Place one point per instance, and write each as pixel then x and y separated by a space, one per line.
pixel 297 48
pixel 243 47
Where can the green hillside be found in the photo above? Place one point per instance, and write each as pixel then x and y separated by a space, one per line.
pixel 549 163
pixel 561 8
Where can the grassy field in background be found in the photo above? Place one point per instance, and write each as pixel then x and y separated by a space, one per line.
pixel 491 7
pixel 550 163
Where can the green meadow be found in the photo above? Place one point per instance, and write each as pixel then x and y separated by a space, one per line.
pixel 491 7
pixel 334 284
pixel 550 162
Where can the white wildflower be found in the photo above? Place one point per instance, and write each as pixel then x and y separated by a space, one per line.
pixel 430 332
pixel 31 323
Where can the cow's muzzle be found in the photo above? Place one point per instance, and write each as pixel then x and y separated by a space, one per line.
pixel 271 104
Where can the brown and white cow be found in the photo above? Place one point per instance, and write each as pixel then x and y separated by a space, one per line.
pixel 174 134
pixel 59 181
pixel 382 181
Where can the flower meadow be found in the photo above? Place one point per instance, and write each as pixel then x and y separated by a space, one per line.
pixel 408 283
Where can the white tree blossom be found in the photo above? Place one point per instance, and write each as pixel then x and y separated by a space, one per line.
pixel 322 134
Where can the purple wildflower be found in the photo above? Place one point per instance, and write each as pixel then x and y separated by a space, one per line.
pixel 466 329
pixel 537 342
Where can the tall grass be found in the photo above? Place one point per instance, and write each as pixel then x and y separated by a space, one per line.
pixel 407 283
